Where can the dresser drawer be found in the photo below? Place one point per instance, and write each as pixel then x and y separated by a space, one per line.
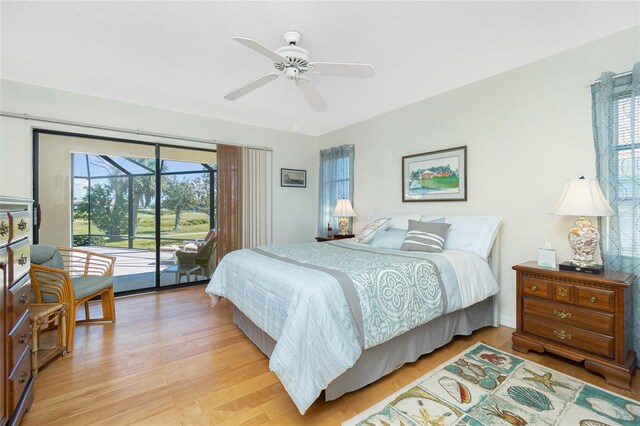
pixel 18 299
pixel 18 341
pixel 537 287
pixel 570 315
pixel 4 228
pixel 570 336
pixel 19 260
pixel 596 298
pixel 18 380
pixel 20 224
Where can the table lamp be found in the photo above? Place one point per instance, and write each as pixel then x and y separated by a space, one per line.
pixel 344 211
pixel 583 197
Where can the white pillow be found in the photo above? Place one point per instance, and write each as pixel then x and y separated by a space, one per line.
pixel 472 233
pixel 398 221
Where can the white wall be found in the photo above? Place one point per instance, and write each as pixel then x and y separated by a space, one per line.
pixel 294 209
pixel 527 131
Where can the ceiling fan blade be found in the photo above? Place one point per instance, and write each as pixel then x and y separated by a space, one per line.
pixel 263 50
pixel 256 84
pixel 311 95
pixel 343 70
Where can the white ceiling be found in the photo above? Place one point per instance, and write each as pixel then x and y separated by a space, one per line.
pixel 179 55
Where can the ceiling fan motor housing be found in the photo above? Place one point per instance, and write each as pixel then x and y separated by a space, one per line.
pixel 296 57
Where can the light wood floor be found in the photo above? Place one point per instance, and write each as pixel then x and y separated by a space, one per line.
pixel 171 359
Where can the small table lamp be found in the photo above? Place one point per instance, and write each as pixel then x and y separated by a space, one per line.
pixel 344 211
pixel 583 197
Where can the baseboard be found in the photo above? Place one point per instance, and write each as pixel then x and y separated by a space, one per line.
pixel 507 321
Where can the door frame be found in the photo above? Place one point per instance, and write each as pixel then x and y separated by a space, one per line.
pixel 36 132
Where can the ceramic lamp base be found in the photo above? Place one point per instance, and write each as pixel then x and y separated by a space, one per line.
pixel 583 239
pixel 343 225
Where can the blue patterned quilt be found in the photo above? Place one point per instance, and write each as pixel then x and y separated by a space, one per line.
pixel 395 293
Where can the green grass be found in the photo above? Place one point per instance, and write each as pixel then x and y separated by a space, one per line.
pixel 192 225
pixel 440 182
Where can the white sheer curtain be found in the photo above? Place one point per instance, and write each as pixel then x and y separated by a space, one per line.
pixel 256 197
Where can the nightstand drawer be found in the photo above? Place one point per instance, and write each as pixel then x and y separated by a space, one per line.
pixel 595 298
pixel 574 316
pixel 536 287
pixel 564 292
pixel 570 336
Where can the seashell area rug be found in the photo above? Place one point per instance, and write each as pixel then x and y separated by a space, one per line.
pixel 485 386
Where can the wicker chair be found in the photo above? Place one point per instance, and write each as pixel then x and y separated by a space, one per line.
pixel 204 256
pixel 73 277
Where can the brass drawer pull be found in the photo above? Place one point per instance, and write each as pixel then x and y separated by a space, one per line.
pixel 22 225
pixel 23 338
pixel 562 292
pixel 593 299
pixel 562 313
pixel 534 288
pixel 4 229
pixel 23 299
pixel 561 334
pixel 23 377
pixel 23 260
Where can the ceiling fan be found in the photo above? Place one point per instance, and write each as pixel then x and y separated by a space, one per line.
pixel 293 62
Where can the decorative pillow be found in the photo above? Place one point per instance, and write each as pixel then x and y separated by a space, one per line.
pixel 425 236
pixel 366 235
pixel 473 233
pixel 389 239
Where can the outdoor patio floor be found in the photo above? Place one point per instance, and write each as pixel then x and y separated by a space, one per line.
pixel 135 268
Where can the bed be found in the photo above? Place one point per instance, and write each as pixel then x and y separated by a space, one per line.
pixel 336 316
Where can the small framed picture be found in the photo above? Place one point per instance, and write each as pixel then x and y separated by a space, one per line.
pixel 435 176
pixel 293 178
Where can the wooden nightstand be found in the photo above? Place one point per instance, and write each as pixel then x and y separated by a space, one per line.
pixel 575 315
pixel 334 237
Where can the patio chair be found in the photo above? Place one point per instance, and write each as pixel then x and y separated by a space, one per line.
pixel 204 256
pixel 73 277
pixel 192 246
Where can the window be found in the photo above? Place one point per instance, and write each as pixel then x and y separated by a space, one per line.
pixel 336 182
pixel 626 138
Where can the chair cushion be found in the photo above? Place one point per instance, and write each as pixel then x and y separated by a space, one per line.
pixel 46 255
pixel 85 286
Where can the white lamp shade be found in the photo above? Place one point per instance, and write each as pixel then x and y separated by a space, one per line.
pixel 343 208
pixel 583 197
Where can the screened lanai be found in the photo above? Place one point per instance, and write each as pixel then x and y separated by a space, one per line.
pixel 114 213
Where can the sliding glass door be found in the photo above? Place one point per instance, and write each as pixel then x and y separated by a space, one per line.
pixel 150 206
pixel 187 221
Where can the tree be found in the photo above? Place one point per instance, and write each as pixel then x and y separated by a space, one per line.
pixel 178 196
pixel 108 209
pixel 202 193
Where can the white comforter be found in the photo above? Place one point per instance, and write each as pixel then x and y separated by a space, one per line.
pixel 306 312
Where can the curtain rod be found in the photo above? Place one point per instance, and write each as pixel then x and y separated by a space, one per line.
pixel 123 130
pixel 622 74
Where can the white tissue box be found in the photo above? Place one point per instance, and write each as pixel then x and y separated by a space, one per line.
pixel 547 258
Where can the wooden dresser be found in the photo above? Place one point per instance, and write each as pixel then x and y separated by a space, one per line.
pixel 17 382
pixel 576 315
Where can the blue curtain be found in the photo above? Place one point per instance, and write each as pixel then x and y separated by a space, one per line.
pixel 336 181
pixel 616 132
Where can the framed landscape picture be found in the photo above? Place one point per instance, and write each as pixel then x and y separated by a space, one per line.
pixel 435 176
pixel 293 178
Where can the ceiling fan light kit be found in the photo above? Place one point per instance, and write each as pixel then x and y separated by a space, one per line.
pixel 293 61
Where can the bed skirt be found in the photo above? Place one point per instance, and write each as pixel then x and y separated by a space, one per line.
pixel 381 360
